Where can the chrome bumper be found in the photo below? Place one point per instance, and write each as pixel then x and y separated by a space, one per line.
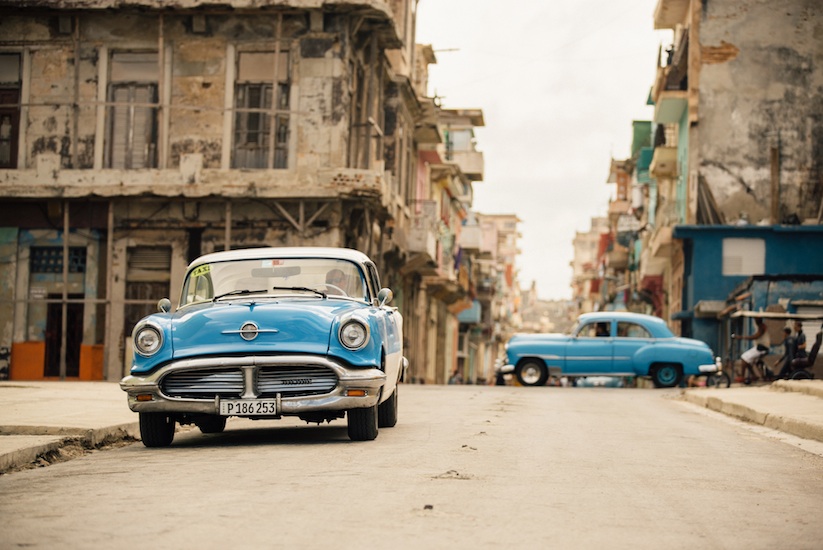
pixel 152 398
pixel 708 369
pixel 505 369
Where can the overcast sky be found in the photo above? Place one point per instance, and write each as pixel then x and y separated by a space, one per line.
pixel 559 84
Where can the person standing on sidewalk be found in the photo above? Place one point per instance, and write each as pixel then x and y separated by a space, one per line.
pixel 799 341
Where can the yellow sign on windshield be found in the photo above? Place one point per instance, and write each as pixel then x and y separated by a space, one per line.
pixel 202 270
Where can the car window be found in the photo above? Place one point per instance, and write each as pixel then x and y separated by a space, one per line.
pixel 626 329
pixel 595 329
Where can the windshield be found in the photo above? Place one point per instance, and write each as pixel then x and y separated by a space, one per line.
pixel 242 279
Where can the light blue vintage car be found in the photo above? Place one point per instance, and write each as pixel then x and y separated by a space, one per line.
pixel 609 344
pixel 265 333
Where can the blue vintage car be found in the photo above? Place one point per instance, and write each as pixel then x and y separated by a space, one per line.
pixel 265 333
pixel 609 344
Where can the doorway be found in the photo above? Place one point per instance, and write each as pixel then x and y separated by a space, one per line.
pixel 74 336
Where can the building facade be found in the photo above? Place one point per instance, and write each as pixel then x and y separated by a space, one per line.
pixel 730 183
pixel 136 136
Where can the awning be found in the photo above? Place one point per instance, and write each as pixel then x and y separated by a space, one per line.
pixel 709 308
pixel 779 315
pixel 685 314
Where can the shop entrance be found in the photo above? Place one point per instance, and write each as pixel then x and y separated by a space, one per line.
pixel 74 336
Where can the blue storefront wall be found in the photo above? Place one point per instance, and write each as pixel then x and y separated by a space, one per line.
pixel 790 250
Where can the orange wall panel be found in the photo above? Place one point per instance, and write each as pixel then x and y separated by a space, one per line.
pixel 91 362
pixel 27 360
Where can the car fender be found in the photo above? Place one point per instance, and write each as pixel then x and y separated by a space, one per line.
pixel 655 354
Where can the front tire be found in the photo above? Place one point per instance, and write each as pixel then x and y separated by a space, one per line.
pixel 387 411
pixel 362 424
pixel 666 376
pixel 156 429
pixel 532 373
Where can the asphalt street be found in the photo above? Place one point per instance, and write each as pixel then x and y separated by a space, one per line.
pixel 48 421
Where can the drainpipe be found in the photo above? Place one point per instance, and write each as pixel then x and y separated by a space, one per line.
pixel 774 158
pixel 64 304
pixel 108 341
pixel 227 235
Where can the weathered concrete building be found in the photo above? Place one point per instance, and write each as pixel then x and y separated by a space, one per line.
pixel 738 138
pixel 734 156
pixel 136 135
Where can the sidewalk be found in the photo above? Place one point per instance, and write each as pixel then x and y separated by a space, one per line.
pixel 790 406
pixel 38 418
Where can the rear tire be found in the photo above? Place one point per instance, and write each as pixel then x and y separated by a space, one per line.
pixel 387 411
pixel 156 429
pixel 362 424
pixel 532 373
pixel 211 424
pixel 801 375
pixel 666 375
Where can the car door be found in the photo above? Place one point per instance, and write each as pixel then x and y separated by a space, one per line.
pixel 590 350
pixel 391 324
pixel 630 337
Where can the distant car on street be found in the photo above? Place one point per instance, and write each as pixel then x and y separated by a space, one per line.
pixel 609 344
pixel 270 332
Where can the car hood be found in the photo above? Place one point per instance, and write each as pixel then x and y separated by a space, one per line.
pixel 283 326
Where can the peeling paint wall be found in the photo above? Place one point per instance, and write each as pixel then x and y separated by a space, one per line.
pixel 761 87
pixel 67 77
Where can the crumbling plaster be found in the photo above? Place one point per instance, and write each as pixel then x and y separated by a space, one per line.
pixel 195 92
pixel 761 87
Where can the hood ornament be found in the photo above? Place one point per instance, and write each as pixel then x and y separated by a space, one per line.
pixel 249 331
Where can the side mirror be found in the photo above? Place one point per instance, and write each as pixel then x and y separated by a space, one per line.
pixel 384 297
pixel 164 305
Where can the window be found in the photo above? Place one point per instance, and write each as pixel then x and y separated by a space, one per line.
pixel 458 141
pixel 631 330
pixel 49 259
pixel 147 280
pixel 132 111
pixel 261 123
pixel 744 256
pixel 597 329
pixel 9 109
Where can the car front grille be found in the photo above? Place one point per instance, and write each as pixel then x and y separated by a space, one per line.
pixel 286 380
pixel 295 380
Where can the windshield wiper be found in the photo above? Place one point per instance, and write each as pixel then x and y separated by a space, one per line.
pixel 242 292
pixel 300 289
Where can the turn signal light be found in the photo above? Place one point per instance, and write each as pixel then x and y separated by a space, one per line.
pixel 356 393
pixel 145 397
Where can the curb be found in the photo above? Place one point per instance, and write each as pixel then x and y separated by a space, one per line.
pixel 736 406
pixel 29 452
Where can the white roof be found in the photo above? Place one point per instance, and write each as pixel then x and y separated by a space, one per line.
pixel 283 252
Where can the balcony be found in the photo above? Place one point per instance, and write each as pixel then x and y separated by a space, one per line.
pixel 470 238
pixel 470 163
pixel 669 13
pixel 664 163
pixel 670 105
pixel 422 240
pixel 661 243
pixel 445 289
pixel 618 258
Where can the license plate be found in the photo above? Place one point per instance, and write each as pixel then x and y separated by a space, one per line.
pixel 248 407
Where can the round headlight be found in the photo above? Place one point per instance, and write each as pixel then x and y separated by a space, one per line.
pixel 354 335
pixel 147 340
